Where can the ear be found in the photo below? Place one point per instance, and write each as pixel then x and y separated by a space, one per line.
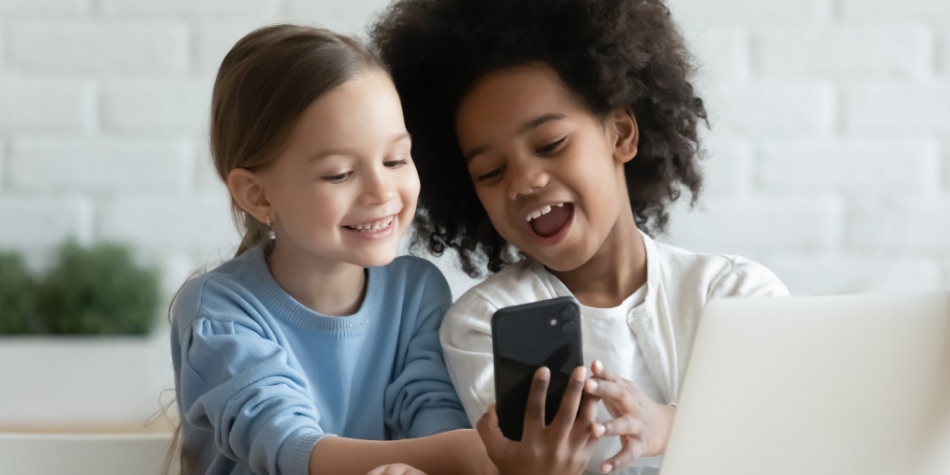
pixel 247 190
pixel 624 135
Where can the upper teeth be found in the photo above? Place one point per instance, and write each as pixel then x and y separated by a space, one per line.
pixel 374 225
pixel 543 211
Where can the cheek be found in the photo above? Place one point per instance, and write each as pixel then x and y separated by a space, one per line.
pixel 493 201
pixel 407 187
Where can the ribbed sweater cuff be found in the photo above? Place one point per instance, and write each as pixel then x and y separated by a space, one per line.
pixel 294 458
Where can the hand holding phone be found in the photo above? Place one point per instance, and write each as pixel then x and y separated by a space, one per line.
pixel 527 337
pixel 563 447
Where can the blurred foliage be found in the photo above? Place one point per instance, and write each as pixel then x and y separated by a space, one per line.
pixel 17 296
pixel 98 290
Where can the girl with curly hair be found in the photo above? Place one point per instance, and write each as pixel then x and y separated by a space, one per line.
pixel 551 137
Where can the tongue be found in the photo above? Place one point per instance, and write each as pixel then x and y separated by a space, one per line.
pixel 551 223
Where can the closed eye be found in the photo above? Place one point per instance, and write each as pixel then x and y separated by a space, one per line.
pixel 551 147
pixel 492 174
pixel 337 178
pixel 395 163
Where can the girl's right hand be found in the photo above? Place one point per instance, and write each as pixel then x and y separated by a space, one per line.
pixel 564 447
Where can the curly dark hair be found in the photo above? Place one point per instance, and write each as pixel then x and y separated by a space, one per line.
pixel 614 54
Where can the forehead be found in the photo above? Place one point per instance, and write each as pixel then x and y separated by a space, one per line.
pixel 361 110
pixel 502 100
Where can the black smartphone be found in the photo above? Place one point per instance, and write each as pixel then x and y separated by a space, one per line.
pixel 525 338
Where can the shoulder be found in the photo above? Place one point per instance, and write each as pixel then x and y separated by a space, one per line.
pixel 719 275
pixel 413 274
pixel 224 294
pixel 515 284
pixel 412 267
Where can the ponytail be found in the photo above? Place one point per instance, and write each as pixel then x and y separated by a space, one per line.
pixel 255 232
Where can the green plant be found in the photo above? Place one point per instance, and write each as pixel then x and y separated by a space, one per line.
pixel 97 291
pixel 17 303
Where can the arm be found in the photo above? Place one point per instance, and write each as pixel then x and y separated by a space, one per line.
pixel 421 400
pixel 456 452
pixel 467 345
pixel 237 385
pixel 235 382
pixel 263 423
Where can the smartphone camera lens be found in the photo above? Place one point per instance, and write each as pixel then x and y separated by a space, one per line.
pixel 568 327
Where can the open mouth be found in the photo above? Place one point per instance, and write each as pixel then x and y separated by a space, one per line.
pixel 378 226
pixel 551 219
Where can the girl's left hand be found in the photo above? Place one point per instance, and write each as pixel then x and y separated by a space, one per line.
pixel 396 469
pixel 642 424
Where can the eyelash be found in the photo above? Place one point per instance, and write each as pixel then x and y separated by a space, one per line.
pixel 395 163
pixel 337 178
pixel 552 146
pixel 343 176
pixel 547 149
pixel 492 174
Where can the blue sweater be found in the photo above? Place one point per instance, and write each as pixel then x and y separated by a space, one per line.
pixel 260 378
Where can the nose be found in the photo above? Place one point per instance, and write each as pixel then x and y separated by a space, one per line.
pixel 525 179
pixel 378 189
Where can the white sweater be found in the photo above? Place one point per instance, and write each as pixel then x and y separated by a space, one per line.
pixel 646 339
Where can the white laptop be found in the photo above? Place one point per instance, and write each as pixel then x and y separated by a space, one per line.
pixel 844 385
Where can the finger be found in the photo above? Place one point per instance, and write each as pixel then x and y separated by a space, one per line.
pixel 488 430
pixel 612 393
pixel 534 410
pixel 598 370
pixel 583 426
pixel 623 425
pixel 571 399
pixel 589 409
pixel 628 454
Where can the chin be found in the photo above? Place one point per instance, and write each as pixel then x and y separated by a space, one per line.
pixel 375 259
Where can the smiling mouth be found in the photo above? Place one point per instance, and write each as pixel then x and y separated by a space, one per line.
pixel 551 219
pixel 372 226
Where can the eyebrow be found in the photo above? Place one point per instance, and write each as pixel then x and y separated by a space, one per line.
pixel 328 152
pixel 522 129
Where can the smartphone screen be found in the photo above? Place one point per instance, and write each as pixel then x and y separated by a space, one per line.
pixel 525 338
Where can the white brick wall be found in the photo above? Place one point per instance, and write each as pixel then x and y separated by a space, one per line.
pixel 101 46
pixel 844 52
pixel 156 107
pixel 829 157
pixel 30 105
pixel 876 11
pixel 49 165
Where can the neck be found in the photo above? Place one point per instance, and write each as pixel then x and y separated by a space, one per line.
pixel 615 271
pixel 326 286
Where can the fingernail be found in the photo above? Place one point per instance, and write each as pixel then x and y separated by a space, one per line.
pixel 543 373
pixel 591 385
pixel 599 430
pixel 597 366
pixel 607 468
pixel 583 372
